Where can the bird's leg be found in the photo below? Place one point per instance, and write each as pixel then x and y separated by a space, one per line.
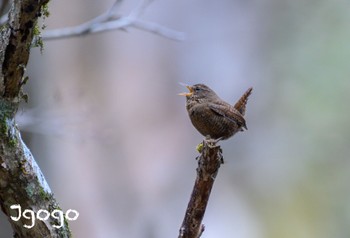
pixel 212 142
pixel 218 139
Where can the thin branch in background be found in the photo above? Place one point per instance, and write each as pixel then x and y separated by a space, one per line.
pixel 111 21
pixel 208 166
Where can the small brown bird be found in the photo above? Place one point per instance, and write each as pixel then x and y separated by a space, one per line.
pixel 213 117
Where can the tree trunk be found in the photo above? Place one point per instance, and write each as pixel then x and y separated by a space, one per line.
pixel 22 184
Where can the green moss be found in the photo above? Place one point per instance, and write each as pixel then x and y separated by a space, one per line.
pixel 3 27
pixel 5 113
pixel 24 80
pixel 54 206
pixel 45 10
pixel 13 142
pixel 43 194
pixel 37 40
pixel 36 30
pixel 6 131
pixel 199 147
pixel 3 126
pixel 64 231
pixel 25 97
pixel 7 109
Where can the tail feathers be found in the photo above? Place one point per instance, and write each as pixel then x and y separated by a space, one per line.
pixel 242 102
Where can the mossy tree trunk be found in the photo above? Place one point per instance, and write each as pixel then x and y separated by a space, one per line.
pixel 21 181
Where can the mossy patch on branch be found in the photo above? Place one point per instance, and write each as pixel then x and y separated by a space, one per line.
pixel 7 130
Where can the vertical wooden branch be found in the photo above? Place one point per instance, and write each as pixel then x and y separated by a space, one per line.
pixel 208 166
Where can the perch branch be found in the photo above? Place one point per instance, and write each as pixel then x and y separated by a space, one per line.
pixel 111 21
pixel 209 163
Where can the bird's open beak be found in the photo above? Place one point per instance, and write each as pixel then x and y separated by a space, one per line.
pixel 189 93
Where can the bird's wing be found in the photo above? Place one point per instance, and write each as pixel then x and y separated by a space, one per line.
pixel 228 112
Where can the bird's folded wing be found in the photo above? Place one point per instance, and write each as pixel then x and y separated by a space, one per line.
pixel 232 114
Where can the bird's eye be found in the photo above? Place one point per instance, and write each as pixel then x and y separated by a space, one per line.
pixel 197 90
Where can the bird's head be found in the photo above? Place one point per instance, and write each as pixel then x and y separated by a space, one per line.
pixel 198 92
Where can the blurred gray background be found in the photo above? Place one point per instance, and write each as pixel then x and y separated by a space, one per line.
pixel 115 143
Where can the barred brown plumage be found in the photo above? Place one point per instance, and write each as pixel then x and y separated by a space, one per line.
pixel 213 117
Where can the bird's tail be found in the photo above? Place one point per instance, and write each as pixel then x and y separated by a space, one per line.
pixel 241 103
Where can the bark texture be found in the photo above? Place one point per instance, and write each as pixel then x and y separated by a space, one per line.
pixel 209 163
pixel 21 181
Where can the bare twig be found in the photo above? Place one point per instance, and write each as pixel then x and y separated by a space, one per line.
pixel 208 166
pixel 110 21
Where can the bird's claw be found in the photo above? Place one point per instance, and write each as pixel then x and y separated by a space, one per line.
pixel 211 142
